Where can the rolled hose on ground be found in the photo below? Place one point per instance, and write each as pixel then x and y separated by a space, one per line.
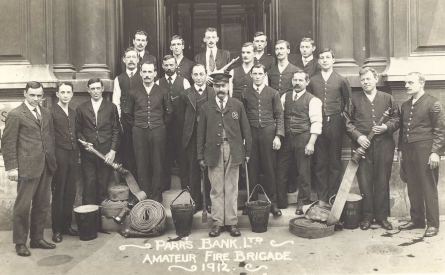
pixel 149 217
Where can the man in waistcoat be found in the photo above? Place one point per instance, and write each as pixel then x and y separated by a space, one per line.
pixel 260 42
pixel 149 110
pixel 174 152
pixel 67 154
pixel 334 92
pixel 280 75
pixel 265 115
pixel 184 65
pixel 302 125
pixel 421 142
pixel 373 174
pixel 140 42
pixel 224 142
pixel 189 114
pixel 308 62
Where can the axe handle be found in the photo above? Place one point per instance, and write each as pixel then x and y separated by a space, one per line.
pixel 204 206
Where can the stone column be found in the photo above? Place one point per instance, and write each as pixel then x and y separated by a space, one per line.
pixel 62 15
pixel 377 35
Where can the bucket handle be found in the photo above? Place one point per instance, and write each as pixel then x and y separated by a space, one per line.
pixel 183 191
pixel 261 189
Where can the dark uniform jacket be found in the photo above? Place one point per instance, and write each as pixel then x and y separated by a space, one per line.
pixel 187 112
pixel 311 68
pixel 184 69
pixel 211 123
pixel 222 58
pixel 26 143
pixel 363 114
pixel 267 60
pixel 282 82
pixel 64 127
pixel 425 120
pixel 107 128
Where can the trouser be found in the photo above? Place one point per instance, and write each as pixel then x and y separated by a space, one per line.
pixel 293 146
pixel 422 183
pixel 373 176
pixel 126 154
pixel 64 188
pixel 327 157
pixel 174 152
pixel 194 172
pixel 149 148
pixel 224 193
pixel 35 192
pixel 263 160
pixel 95 174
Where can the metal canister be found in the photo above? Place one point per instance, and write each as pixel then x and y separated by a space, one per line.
pixel 352 211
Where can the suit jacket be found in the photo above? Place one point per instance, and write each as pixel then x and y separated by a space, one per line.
pixel 187 112
pixel 311 68
pixel 27 144
pixel 107 128
pixel 222 58
pixel 210 126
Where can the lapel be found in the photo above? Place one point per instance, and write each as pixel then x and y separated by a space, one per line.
pixel 90 106
pixel 192 97
pixel 29 115
pixel 60 110
pixel 228 105
pixel 218 54
pixel 153 89
pixel 422 98
pixel 102 106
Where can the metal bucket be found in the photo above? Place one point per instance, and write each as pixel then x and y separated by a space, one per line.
pixel 182 215
pixel 87 218
pixel 351 212
pixel 258 212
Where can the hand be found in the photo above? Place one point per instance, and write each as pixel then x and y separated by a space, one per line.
pixel 89 147
pixel 109 158
pixel 309 149
pixel 364 142
pixel 276 143
pixel 434 160
pixel 202 164
pixel 13 175
pixel 379 129
pixel 247 159
pixel 209 80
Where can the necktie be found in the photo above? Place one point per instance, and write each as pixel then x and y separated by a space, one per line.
pixel 258 89
pixel 200 91
pixel 295 97
pixel 170 80
pixel 212 65
pixel 39 117
pixel 131 74
pixel 221 103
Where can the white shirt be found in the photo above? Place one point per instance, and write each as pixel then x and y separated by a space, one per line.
pixel 148 89
pixel 31 108
pixel 218 100
pixel 261 87
pixel 178 60
pixel 203 87
pixel 307 59
pixel 415 99
pixel 214 51
pixel 326 75
pixel 117 90
pixel 315 111
pixel 371 96
pixel 281 68
pixel 186 83
pixel 141 54
pixel 258 55
pixel 96 105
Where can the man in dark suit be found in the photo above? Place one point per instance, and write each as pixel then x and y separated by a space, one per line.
pixel 97 123
pixel 421 142
pixel 28 153
pixel 260 42
pixel 184 65
pixel 189 113
pixel 67 155
pixel 307 62
pixel 150 111
pixel 224 142
pixel 365 110
pixel 213 59
pixel 140 41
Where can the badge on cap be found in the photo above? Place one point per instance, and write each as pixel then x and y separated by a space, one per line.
pixel 235 115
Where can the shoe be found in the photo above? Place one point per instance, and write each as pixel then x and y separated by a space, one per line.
pixel 41 244
pixel 216 231
pixel 299 210
pixel 384 224
pixel 431 231
pixel 70 232
pixel 276 212
pixel 234 231
pixel 365 225
pixel 22 250
pixel 57 237
pixel 410 225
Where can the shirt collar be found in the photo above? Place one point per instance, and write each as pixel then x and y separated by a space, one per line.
pixel 141 54
pixel 148 89
pixel 178 61
pixel 255 87
pixel 97 102
pixel 299 94
pixel 31 108
pixel 214 49
pixel 307 59
pixel 134 71
pixel 173 77
pixel 224 100
pixel 203 87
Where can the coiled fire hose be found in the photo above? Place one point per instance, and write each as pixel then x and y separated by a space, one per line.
pixel 148 219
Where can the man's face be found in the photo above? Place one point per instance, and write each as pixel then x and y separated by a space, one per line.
pixel 65 94
pixel 176 46
pixel 299 82
pixel 148 73
pixel 369 82
pixel 211 38
pixel 96 89
pixel 326 61
pixel 169 66
pixel 221 88
pixel 247 54
pixel 281 51
pixel 258 76
pixel 34 96
pixel 140 42
pixel 199 75
pixel 306 49
pixel 260 42
pixel 131 59
pixel 413 84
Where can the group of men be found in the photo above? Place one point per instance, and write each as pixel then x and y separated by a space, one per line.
pixel 272 115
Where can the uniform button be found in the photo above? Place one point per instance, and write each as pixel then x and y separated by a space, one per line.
pixel 407 135
pixel 219 135
pixel 260 114
pixel 411 113
pixel 222 114
pixel 217 144
pixel 410 118
pixel 373 110
pixel 372 104
pixel 149 107
pixel 409 124
pixel 220 125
